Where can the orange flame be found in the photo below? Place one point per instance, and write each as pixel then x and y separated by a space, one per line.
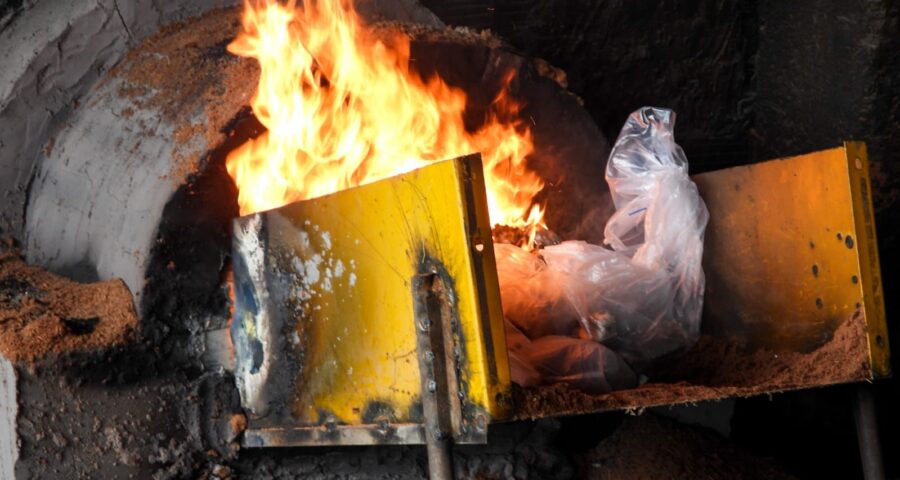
pixel 342 108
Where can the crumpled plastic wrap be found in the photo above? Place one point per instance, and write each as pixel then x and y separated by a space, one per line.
pixel 593 315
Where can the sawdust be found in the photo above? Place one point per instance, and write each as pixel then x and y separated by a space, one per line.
pixel 436 34
pixel 718 362
pixel 716 369
pixel 650 447
pixel 42 313
pixel 183 70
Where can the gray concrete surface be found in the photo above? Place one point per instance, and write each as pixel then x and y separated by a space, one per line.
pixel 52 52
pixel 9 441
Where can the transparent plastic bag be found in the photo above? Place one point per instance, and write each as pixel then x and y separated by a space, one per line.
pixel 641 295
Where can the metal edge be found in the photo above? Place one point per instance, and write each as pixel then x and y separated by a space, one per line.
pixel 341 435
pixel 869 263
pixel 337 435
pixel 500 405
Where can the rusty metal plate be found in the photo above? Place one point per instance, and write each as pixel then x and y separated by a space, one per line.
pixel 324 322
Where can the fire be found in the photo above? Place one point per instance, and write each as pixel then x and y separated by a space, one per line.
pixel 342 108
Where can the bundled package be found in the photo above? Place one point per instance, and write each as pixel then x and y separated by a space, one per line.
pixel 595 316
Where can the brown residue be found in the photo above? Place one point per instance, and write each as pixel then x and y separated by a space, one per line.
pixel 724 363
pixel 42 313
pixel 48 148
pixel 238 423
pixel 716 369
pixel 545 69
pixel 386 29
pixel 185 133
pixel 185 73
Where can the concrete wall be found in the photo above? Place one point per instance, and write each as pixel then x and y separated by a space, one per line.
pixel 52 53
pixel 9 439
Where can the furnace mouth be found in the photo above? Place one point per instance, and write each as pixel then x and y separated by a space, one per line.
pixel 117 120
pixel 133 183
pixel 130 181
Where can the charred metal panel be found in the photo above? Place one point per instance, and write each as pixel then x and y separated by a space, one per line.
pixel 325 312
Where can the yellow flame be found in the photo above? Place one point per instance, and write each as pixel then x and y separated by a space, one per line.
pixel 342 108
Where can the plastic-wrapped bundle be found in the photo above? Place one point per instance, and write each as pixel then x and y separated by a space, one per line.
pixel 592 315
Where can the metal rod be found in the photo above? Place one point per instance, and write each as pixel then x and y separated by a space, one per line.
pixel 440 460
pixel 434 368
pixel 867 433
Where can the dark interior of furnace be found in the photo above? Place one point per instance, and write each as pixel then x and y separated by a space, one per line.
pixel 397 239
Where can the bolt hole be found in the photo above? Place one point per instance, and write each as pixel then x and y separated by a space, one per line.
pixel 840 237
pixel 854 279
pixel 819 303
pixel 815 270
pixel 879 340
pixel 848 241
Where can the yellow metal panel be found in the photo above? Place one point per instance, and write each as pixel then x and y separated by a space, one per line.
pixel 348 260
pixel 791 253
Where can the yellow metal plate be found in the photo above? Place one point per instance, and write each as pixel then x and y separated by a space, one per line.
pixel 335 316
pixel 791 252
